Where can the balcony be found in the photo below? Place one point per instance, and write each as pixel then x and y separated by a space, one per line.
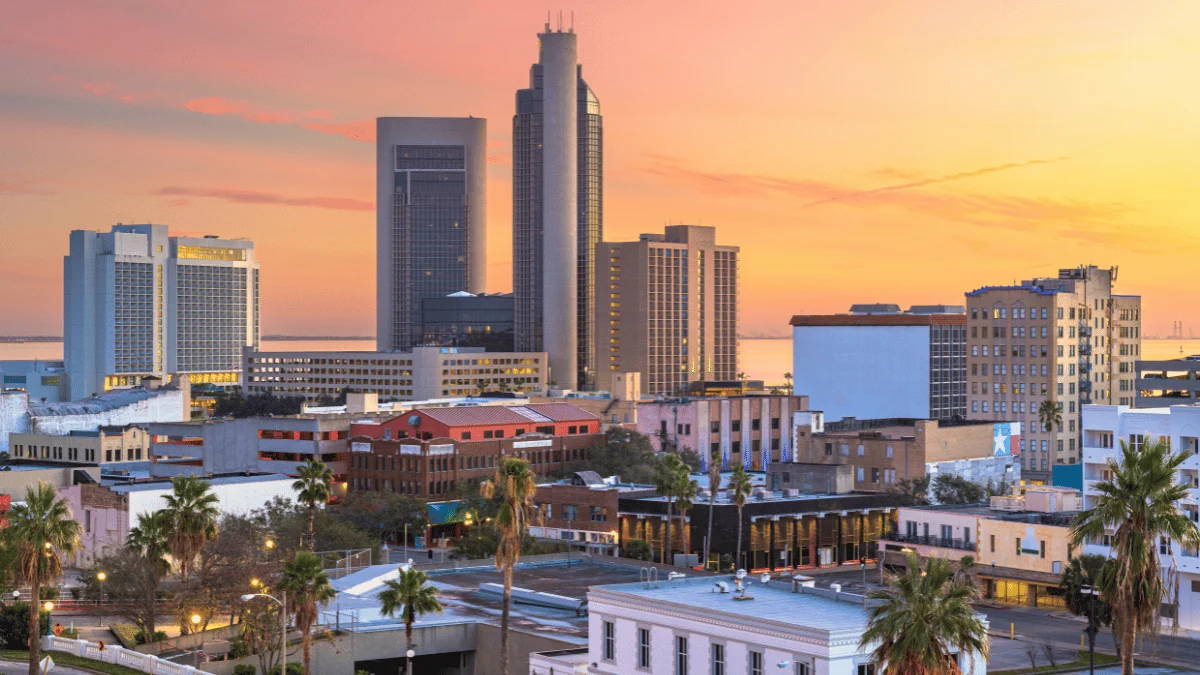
pixel 938 542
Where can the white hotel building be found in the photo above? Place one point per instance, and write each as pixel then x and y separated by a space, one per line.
pixel 140 303
pixel 690 627
pixel 1105 427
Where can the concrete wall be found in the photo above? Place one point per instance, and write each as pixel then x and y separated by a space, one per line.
pixel 868 372
pixel 236 498
pixel 14 482
pixel 520 645
pixel 1005 553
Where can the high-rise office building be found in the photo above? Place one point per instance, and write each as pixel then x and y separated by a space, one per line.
pixel 557 211
pixel 140 303
pixel 1069 340
pixel 669 305
pixel 430 218
pixel 468 320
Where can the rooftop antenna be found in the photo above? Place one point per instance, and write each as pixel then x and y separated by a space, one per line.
pixel 560 20
pixel 572 21
pixel 547 21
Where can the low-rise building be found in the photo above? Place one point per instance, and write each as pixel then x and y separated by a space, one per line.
pixel 723 625
pixel 106 513
pixel 581 509
pixel 427 452
pixel 755 430
pixel 1160 384
pixel 1105 429
pixel 423 373
pixel 17 476
pixel 45 380
pixel 1019 545
pixel 885 451
pixel 781 530
pixel 141 405
pixel 106 445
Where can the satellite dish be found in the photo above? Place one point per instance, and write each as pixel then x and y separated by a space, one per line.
pixel 740 574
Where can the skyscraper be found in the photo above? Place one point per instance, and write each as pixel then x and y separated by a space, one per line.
pixel 430 218
pixel 669 309
pixel 557 211
pixel 139 303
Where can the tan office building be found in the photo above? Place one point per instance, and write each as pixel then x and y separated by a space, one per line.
pixel 1068 339
pixel 103 446
pixel 669 304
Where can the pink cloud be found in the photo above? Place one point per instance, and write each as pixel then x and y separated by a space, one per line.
pixel 267 198
pixel 362 130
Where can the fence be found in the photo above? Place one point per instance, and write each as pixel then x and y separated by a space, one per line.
pixel 120 656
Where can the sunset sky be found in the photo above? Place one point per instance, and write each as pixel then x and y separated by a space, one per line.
pixel 868 151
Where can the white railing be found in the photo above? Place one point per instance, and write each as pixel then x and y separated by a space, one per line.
pixel 146 663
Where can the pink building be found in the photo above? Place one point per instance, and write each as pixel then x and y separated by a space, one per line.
pixel 103 517
pixel 757 430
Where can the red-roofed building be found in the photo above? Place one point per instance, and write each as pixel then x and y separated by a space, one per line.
pixel 425 452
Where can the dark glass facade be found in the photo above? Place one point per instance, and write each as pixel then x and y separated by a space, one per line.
pixel 469 321
pixel 527 219
pixel 429 230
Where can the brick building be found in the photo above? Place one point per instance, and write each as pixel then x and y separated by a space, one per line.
pixel 581 509
pixel 426 452
pixel 755 429
pixel 883 452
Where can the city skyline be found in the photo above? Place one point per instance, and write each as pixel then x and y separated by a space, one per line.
pixel 840 148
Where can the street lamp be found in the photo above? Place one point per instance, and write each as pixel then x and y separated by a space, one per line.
pixel 283 615
pixel 255 583
pixel 1092 628
pixel 408 661
pixel 49 607
pixel 270 544
pixel 101 576
pixel 196 619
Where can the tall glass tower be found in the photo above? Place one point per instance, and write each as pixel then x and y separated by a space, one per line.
pixel 557 211
pixel 431 214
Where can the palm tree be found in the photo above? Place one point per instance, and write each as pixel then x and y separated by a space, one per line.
pixel 1095 571
pixel 739 485
pixel 925 617
pixel 963 574
pixel 1050 414
pixel 787 379
pixel 515 485
pixel 151 539
pixel 191 516
pixel 307 586
pixel 714 486
pixel 314 486
pixel 686 491
pixel 409 594
pixel 42 531
pixel 666 482
pixel 1140 503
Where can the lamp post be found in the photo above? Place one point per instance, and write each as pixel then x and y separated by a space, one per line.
pixel 283 628
pixel 408 661
pixel 196 654
pixel 101 576
pixel 1091 629
pixel 49 607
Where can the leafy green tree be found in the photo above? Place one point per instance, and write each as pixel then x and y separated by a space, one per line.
pixel 409 595
pixel 625 453
pixel 923 619
pixel 288 524
pixel 691 459
pixel 384 514
pixel 1139 502
pixel 313 487
pixel 740 488
pixel 637 549
pixel 1095 571
pixel 949 488
pixel 14 625
pixel 515 485
pixel 191 516
pixel 130 587
pixel 307 587
pixel 43 532
pixel 234 404
pixel 1050 414
pixel 149 539
pixel 913 492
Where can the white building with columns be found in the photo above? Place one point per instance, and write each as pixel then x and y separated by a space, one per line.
pixel 1105 427
pixel 694 626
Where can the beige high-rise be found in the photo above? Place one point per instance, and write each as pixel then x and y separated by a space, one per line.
pixel 1068 339
pixel 667 308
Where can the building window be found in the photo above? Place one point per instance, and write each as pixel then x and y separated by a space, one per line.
pixel 866 669
pixel 643 648
pixel 992 542
pixel 681 655
pixel 756 663
pixel 466 435
pixel 610 641
pixel 801 668
pixel 718 656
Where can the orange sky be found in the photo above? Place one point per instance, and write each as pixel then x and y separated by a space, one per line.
pixel 855 151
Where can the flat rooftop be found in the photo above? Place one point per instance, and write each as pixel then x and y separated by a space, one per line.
pixel 986 511
pixel 771 603
pixel 105 402
pixel 165 484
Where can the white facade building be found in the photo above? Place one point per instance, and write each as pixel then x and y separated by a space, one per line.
pixel 43 379
pixel 1105 427
pixel 140 303
pixel 691 627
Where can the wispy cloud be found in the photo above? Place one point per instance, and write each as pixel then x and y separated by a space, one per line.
pixel 14 185
pixel 362 130
pixel 264 198
pixel 948 178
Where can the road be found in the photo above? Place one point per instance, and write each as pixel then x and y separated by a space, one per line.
pixel 1039 624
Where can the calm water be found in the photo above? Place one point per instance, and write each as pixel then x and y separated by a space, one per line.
pixel 765 360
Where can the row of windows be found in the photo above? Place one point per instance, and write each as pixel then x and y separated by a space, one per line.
pixel 756 663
